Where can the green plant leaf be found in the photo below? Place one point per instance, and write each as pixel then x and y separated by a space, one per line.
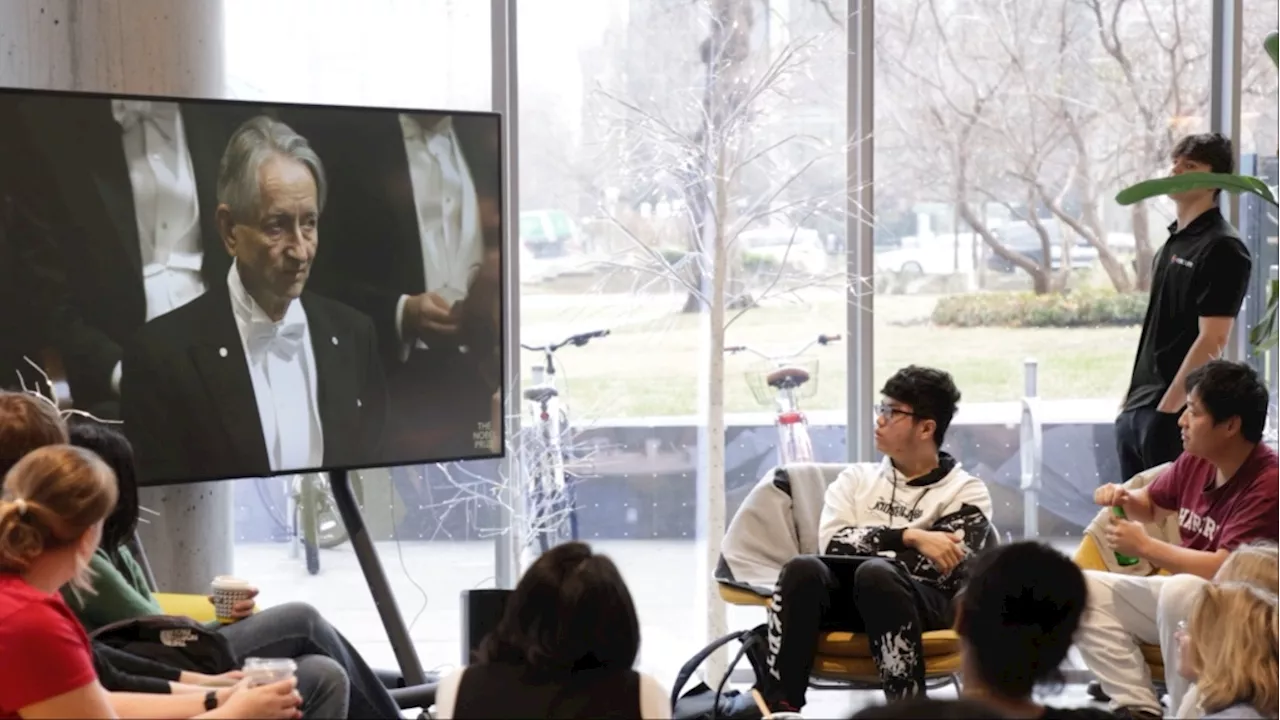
pixel 1235 184
pixel 1272 44
pixel 1266 333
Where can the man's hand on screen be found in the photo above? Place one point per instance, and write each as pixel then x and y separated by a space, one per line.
pixel 426 314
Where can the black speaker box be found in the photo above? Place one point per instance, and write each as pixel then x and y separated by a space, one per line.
pixel 481 611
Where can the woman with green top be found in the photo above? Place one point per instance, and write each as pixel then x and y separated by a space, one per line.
pixel 121 592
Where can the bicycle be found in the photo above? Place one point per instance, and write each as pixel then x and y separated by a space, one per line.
pixel 313 521
pixel 781 382
pixel 552 514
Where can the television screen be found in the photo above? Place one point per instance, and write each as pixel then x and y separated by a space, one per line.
pixel 256 289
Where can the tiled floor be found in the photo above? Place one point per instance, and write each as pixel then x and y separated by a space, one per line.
pixel 428 579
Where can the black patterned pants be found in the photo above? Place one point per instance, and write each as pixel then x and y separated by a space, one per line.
pixel 875 596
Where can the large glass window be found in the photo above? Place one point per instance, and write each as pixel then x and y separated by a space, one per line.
pixel 650 131
pixel 1258 156
pixel 433 526
pixel 1003 131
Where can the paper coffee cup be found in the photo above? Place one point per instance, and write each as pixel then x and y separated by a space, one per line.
pixel 227 591
pixel 264 671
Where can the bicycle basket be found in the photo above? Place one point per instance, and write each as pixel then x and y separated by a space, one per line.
pixel 790 371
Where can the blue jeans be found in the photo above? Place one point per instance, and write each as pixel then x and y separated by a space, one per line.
pixel 295 630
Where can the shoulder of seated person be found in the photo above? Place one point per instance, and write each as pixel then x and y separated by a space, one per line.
pixel 33 609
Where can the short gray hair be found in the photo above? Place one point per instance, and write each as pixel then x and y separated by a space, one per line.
pixel 252 144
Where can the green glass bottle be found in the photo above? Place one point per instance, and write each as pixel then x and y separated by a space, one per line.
pixel 1122 559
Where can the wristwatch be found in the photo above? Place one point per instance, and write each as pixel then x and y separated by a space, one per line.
pixel 211 700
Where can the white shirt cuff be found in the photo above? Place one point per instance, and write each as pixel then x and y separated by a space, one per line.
pixel 404 346
pixel 116 373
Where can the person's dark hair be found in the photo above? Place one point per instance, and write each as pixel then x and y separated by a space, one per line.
pixel 1212 149
pixel 27 422
pixel 570 612
pixel 1230 389
pixel 1018 615
pixel 931 393
pixel 925 708
pixel 117 453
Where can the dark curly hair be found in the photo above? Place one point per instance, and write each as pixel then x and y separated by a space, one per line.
pixel 114 449
pixel 1230 389
pixel 571 612
pixel 1018 615
pixel 931 394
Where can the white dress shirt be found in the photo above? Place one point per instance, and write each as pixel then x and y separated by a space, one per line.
pixel 282 366
pixel 165 204
pixel 448 215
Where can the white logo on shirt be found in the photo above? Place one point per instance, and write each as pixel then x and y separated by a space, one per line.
pixel 1192 522
pixel 1182 261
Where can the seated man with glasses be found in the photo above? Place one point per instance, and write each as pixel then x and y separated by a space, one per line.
pixel 896 537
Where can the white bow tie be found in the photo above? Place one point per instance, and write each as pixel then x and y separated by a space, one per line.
pixel 283 339
pixel 131 114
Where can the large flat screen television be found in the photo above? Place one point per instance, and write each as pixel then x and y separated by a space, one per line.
pixel 255 289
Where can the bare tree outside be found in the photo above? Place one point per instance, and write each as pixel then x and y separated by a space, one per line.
pixel 1045 111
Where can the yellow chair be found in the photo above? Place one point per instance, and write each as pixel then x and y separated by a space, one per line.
pixel 845 658
pixel 1089 557
pixel 196 607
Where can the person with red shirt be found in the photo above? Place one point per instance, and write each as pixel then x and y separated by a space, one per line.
pixel 54 503
pixel 1223 489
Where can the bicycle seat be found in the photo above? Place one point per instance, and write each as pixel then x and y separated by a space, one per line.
pixel 540 394
pixel 787 377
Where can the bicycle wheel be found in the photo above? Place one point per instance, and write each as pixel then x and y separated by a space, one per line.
pixel 560 520
pixel 330 532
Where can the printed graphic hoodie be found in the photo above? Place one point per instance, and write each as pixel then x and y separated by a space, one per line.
pixel 869 507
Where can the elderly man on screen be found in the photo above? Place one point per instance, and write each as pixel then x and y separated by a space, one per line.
pixel 417 249
pixel 257 375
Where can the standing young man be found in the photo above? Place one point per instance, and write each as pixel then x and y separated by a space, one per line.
pixel 1199 280
pixel 895 536
pixel 1223 490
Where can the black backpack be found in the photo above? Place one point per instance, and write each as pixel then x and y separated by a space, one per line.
pixel 173 640
pixel 703 703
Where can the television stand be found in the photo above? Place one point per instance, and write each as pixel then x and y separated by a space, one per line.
pixel 376 579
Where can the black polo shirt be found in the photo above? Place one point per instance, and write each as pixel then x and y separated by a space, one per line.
pixel 1202 271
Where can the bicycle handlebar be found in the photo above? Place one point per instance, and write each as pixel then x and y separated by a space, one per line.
pixel 823 340
pixel 576 340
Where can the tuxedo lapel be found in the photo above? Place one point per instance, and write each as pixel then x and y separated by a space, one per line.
pixel 337 396
pixel 404 205
pixel 218 358
pixel 207 137
pixel 92 177
pixel 111 179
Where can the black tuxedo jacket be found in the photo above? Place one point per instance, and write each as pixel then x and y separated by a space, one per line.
pixel 22 329
pixel 86 264
pixel 370 248
pixel 188 402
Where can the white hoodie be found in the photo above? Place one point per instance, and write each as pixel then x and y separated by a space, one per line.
pixel 869 506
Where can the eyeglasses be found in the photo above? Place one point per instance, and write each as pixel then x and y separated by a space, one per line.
pixel 887 412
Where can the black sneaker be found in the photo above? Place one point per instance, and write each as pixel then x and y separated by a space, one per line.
pixel 1097 693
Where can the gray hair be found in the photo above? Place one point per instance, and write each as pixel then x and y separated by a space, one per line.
pixel 252 144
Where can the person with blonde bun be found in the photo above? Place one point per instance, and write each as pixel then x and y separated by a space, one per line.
pixel 52 508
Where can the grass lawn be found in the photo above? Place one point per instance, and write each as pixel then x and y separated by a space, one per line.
pixel 649 365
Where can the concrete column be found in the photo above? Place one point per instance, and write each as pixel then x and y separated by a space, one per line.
pixel 150 47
